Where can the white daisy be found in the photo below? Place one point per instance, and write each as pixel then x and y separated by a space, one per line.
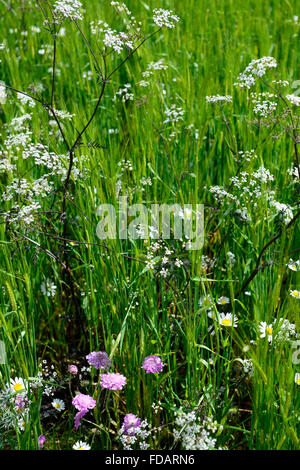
pixel 297 378
pixel 205 301
pixel 58 404
pixel 17 385
pixel 266 330
pixel 226 319
pixel 21 424
pixel 293 265
pixel 295 293
pixel 212 314
pixel 80 445
pixel 223 300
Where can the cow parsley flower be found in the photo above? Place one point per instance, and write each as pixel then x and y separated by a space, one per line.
pixel 68 9
pixel 165 18
pixel 217 99
pixel 293 99
pixel 256 68
pixel 152 364
pixel 112 381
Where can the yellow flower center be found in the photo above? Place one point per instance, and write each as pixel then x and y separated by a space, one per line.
pixel 206 301
pixel 81 448
pixel 295 293
pixel 57 405
pixel 223 302
pixel 298 381
pixel 18 387
pixel 226 322
pixel 269 331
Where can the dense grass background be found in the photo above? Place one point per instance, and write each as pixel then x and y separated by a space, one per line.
pixel 124 310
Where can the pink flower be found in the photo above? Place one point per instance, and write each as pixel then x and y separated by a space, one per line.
pixel 72 369
pixel 112 381
pixel 41 441
pixel 99 360
pixel 131 424
pixel 83 403
pixel 152 364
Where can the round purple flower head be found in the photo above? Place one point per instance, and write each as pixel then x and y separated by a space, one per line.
pixel 152 364
pixel 131 424
pixel 72 369
pixel 99 360
pixel 112 381
pixel 83 403
pixel 41 441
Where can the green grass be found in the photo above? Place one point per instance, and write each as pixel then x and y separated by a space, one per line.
pixel 113 303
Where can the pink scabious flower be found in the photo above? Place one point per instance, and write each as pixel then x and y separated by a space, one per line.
pixel 99 360
pixel 41 441
pixel 152 364
pixel 72 369
pixel 83 403
pixel 131 424
pixel 112 381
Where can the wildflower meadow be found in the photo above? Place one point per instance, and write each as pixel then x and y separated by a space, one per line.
pixel 149 219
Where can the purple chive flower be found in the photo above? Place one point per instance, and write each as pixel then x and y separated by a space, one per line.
pixel 83 403
pixel 41 441
pixel 152 364
pixel 131 424
pixel 72 369
pixel 112 381
pixel 99 360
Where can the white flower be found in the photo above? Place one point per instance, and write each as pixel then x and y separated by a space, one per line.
pixel 80 445
pixel 226 319
pixel 21 423
pixel 266 330
pixel 294 265
pixel 17 385
pixel 297 378
pixel 295 293
pixel 295 100
pixel 48 288
pixel 206 301
pixel 212 314
pixel 68 9
pixel 2 94
pixel 256 68
pixel 164 18
pixel 218 99
pixel 59 405
pixel 223 300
